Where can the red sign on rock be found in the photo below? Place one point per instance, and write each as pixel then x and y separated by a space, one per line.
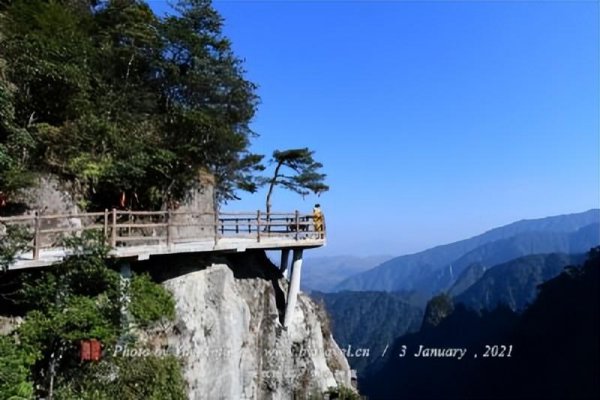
pixel 90 350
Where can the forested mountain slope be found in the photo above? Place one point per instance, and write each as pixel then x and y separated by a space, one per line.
pixel 436 269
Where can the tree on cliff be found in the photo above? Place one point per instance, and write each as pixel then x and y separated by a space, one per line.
pixel 296 170
pixel 438 308
pixel 13 174
pixel 118 99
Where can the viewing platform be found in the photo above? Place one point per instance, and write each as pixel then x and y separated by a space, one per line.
pixel 143 234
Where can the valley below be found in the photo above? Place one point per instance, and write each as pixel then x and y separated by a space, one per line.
pixel 516 304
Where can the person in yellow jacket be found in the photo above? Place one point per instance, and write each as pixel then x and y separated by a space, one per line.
pixel 318 219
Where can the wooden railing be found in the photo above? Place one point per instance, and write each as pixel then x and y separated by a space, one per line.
pixel 131 228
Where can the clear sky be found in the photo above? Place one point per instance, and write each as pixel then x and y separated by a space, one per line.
pixel 435 120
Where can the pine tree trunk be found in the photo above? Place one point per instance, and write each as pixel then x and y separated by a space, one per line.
pixel 271 187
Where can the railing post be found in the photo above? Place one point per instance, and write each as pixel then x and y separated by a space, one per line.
pixel 169 238
pixel 113 239
pixel 105 226
pixel 237 226
pixel 297 225
pixel 258 225
pixel 216 226
pixel 36 236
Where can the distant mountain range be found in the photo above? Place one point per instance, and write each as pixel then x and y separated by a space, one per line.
pixel 550 351
pixel 467 278
pixel 323 274
pixel 515 283
pixel 373 320
pixel 439 268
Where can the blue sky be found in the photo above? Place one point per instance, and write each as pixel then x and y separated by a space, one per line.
pixel 435 121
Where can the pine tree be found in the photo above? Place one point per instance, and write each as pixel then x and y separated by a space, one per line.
pixel 302 175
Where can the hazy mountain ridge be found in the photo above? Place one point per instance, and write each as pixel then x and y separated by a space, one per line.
pixel 430 271
pixel 503 270
pixel 324 273
pixel 515 283
pixel 553 349
pixel 504 250
pixel 467 278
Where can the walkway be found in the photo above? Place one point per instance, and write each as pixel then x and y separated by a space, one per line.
pixel 142 234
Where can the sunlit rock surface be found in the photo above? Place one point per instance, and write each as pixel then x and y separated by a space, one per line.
pixel 232 344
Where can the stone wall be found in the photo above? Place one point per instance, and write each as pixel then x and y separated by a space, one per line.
pixel 49 196
pixel 200 200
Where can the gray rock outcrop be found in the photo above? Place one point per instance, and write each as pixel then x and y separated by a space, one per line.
pixel 49 196
pixel 199 206
pixel 229 336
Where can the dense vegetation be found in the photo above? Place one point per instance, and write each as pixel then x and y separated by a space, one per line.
pixel 515 283
pixel 119 102
pixel 82 299
pixel 108 95
pixel 368 320
pixel 554 343
pixel 126 109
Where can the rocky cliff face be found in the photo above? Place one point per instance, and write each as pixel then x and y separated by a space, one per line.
pixel 229 335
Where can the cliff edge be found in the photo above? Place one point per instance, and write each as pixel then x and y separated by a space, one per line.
pixel 230 339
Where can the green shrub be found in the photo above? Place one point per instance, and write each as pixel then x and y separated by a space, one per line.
pixel 342 393
pixel 13 241
pixel 82 299
pixel 15 379
pixel 150 302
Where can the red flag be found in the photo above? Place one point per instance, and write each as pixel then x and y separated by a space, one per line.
pixel 90 350
pixel 95 350
pixel 85 350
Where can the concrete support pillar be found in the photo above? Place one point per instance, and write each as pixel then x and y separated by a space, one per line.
pixel 285 256
pixel 294 287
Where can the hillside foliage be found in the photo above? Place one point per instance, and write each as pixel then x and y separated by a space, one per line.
pixel 82 299
pixel 549 352
pixel 120 100
pixel 364 323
